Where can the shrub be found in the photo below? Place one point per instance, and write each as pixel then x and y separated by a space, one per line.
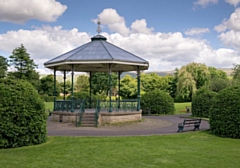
pixel 22 113
pixel 225 113
pixel 159 101
pixel 202 102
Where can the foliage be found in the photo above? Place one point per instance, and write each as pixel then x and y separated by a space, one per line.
pixel 236 72
pixel 68 87
pixel 82 83
pixel 159 101
pixel 22 113
pixel 3 67
pixel 100 83
pixel 128 87
pixel 225 113
pixel 217 84
pixel 154 81
pixel 46 86
pixel 24 65
pixel 202 102
pixel 217 73
pixel 172 89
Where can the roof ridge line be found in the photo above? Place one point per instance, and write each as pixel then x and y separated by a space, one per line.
pixel 107 50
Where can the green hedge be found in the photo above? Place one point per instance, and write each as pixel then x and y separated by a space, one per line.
pixel 159 101
pixel 225 113
pixel 22 114
pixel 202 102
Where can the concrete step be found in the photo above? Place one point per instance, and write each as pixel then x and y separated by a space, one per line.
pixel 88 120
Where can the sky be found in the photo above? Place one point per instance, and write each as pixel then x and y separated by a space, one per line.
pixel 167 33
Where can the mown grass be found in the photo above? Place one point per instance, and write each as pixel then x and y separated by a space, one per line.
pixel 195 149
pixel 181 107
pixel 49 105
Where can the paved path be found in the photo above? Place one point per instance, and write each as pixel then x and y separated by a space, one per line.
pixel 170 127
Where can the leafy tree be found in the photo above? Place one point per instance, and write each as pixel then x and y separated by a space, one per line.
pixel 82 83
pixel 217 73
pixel 236 72
pixel 3 66
pixel 100 82
pixel 154 81
pixel 128 87
pixel 46 86
pixel 24 65
pixel 218 84
pixel 68 87
pixel 173 80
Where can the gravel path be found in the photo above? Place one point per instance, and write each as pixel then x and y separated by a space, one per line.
pixel 151 125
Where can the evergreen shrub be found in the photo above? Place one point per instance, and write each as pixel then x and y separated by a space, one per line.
pixel 158 101
pixel 22 114
pixel 225 113
pixel 202 102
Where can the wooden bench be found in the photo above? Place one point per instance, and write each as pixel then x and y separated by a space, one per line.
pixel 189 123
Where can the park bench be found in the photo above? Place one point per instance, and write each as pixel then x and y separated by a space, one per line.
pixel 189 123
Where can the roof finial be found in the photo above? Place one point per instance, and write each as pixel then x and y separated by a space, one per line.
pixel 99 30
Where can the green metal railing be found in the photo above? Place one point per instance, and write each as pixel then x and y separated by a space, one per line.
pixel 66 105
pixel 79 115
pixel 118 105
pixel 97 111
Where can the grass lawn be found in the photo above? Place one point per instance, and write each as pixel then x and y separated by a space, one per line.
pixel 193 149
pixel 181 107
pixel 49 105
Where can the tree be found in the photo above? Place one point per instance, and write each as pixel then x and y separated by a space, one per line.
pixel 217 73
pixel 46 86
pixel 128 87
pixel 24 65
pixel 3 66
pixel 68 87
pixel 236 72
pixel 82 83
pixel 153 81
pixel 100 82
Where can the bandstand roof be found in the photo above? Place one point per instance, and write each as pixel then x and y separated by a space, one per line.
pixel 96 56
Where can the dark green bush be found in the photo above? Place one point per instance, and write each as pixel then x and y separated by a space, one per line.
pixel 202 102
pixel 47 98
pixel 22 114
pixel 225 113
pixel 159 101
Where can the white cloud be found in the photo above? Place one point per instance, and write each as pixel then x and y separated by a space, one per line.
pixel 114 21
pixel 20 11
pixel 140 26
pixel 233 2
pixel 196 31
pixel 204 3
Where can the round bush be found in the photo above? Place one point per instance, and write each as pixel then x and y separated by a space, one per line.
pixel 22 113
pixel 225 113
pixel 159 101
pixel 202 102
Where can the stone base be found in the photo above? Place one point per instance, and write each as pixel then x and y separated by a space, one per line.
pixel 66 117
pixel 118 117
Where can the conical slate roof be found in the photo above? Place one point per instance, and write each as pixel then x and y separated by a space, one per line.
pixel 97 55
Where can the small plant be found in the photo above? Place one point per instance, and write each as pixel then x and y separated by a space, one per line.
pixel 22 114
pixel 225 113
pixel 158 101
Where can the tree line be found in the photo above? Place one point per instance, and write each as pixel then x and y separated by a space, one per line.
pixel 181 85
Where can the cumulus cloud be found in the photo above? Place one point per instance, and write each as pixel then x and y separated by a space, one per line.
pixel 230 30
pixel 117 24
pixel 140 26
pixel 205 3
pixel 21 11
pixel 197 31
pixel 233 2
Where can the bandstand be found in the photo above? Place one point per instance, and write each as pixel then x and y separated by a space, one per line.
pixel 97 56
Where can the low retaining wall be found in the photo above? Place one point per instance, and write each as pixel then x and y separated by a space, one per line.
pixel 66 117
pixel 118 117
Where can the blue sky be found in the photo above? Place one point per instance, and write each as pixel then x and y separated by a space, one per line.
pixel 167 33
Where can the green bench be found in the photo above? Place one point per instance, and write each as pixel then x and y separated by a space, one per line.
pixel 189 123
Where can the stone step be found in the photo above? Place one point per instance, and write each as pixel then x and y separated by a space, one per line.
pixel 88 120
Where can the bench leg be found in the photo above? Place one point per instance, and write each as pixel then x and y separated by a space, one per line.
pixel 180 129
pixel 196 127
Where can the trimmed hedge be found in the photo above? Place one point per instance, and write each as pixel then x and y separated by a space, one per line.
pixel 22 114
pixel 202 102
pixel 225 113
pixel 159 101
